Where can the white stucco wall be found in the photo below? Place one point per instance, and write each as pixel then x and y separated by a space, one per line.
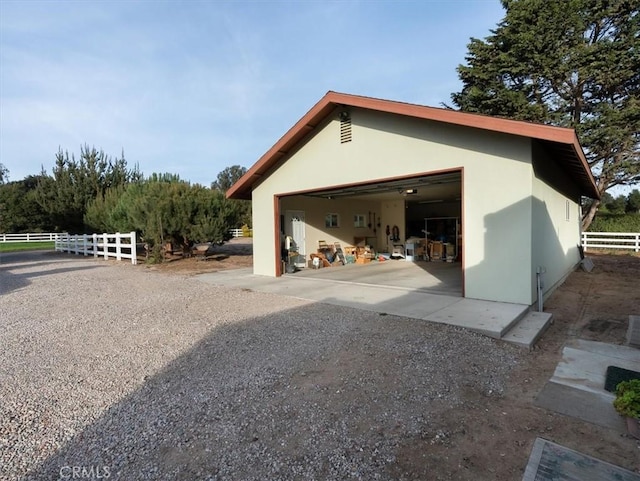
pixel 316 209
pixel 497 189
pixel 393 214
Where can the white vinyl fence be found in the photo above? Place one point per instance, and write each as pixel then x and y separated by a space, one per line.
pixel 100 245
pixel 611 240
pixel 30 237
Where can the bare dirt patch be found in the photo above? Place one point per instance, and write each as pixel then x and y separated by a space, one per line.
pixel 235 254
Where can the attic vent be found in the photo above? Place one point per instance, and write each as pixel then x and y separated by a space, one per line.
pixel 345 127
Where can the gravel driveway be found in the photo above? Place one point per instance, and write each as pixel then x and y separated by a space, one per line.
pixel 126 371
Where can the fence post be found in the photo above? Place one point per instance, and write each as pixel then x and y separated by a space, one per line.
pixel 105 246
pixel 118 247
pixel 95 245
pixel 84 245
pixel 637 249
pixel 134 249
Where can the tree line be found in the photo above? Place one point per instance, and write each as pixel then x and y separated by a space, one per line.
pixel 97 193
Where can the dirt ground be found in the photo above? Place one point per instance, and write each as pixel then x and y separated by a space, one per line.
pixel 492 438
pixel 235 254
pixel 497 438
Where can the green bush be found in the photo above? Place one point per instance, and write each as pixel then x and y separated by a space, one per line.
pixel 615 223
pixel 165 209
pixel 246 231
pixel 627 402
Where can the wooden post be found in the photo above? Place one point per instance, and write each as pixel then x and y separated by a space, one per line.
pixel 105 246
pixel 95 245
pixel 84 245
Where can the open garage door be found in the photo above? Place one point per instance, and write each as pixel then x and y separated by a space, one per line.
pixel 415 224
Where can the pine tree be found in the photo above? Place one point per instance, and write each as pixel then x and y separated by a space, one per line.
pixel 573 63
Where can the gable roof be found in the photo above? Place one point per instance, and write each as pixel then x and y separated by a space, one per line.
pixel 562 143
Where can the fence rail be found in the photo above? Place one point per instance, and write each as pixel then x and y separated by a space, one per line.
pixel 611 240
pixel 100 245
pixel 238 232
pixel 30 237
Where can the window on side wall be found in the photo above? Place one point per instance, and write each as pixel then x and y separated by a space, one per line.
pixel 358 220
pixel 332 220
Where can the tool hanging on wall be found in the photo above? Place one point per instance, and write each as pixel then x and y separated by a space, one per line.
pixel 395 236
pixel 374 222
pixel 369 219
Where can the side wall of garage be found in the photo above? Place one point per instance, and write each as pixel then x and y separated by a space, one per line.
pixel 496 189
pixel 556 222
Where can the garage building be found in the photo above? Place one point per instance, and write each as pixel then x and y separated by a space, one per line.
pixel 498 199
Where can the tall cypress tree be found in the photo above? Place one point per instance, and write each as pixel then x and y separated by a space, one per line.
pixel 571 63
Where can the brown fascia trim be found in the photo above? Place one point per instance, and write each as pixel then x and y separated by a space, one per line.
pixel 331 100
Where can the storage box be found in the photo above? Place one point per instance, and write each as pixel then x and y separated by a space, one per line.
pixel 363 260
pixel 437 250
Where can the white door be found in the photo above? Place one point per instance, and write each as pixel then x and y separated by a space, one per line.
pixel 294 227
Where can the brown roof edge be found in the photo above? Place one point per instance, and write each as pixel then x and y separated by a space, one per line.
pixel 594 194
pixel 242 188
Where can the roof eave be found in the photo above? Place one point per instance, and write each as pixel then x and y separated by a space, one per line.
pixel 243 187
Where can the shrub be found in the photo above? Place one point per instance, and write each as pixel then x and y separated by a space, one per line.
pixel 615 223
pixel 627 402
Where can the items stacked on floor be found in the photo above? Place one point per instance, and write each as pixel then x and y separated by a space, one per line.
pixel 331 255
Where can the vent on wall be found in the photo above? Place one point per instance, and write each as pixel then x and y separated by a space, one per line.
pixel 345 127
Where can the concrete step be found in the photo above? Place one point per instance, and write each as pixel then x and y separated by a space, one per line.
pixel 528 329
pixel 633 333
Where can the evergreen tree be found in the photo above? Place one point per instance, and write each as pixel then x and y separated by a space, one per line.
pixel 572 63
pixel 65 194
pixel 164 209
pixel 226 178
pixel 4 174
pixel 633 202
pixel 19 209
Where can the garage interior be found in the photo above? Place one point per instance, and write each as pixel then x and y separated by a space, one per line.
pixel 404 233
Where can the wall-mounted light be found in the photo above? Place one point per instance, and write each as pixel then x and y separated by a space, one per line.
pixel 344 115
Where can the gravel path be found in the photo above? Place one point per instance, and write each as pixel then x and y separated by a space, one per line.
pixel 123 370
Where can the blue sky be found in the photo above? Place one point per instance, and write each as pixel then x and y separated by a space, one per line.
pixel 193 87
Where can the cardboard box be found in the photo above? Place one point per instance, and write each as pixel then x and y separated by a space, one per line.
pixel 363 260
pixel 437 250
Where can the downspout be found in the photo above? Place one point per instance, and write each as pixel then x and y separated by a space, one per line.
pixel 539 286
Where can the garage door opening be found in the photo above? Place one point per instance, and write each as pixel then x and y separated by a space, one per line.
pixel 404 233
